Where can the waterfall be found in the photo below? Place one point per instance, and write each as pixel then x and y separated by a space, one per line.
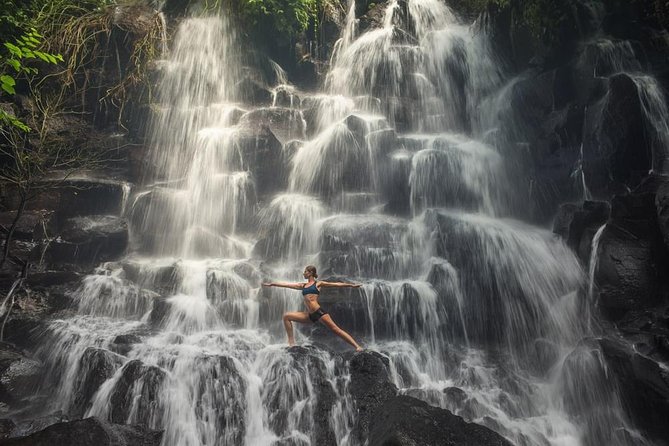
pixel 399 175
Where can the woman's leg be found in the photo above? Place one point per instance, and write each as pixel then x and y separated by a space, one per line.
pixel 297 317
pixel 327 320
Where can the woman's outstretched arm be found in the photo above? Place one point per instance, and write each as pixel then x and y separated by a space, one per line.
pixel 338 285
pixel 295 286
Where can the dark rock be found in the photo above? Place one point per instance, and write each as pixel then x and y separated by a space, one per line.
pixel 261 153
pixel 127 339
pixel 161 278
pixel 160 311
pixel 253 92
pixel 306 74
pixel 617 153
pixel 662 208
pixel 307 362
pixel 19 377
pixel 370 387
pixel 407 421
pixel 95 367
pixel 395 181
pixel 6 427
pixel 286 96
pixel 137 394
pixel 89 240
pixel 222 386
pixel 644 387
pixel 90 431
pixel 82 196
pixel 361 245
pixel 385 418
pixel 285 123
pixel 29 226
pixel 28 427
pixel 632 257
pixel 573 220
pixel 456 395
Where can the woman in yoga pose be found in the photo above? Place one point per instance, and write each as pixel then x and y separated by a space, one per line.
pixel 315 312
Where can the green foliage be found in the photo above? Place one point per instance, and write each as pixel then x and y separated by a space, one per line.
pixel 15 63
pixel 286 17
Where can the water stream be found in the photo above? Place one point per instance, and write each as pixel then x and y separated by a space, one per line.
pixel 392 177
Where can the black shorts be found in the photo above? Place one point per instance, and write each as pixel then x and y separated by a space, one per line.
pixel 316 315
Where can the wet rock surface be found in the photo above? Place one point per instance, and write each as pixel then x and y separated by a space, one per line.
pixel 95 367
pixel 644 386
pixel 88 241
pixel 19 377
pixel 578 223
pixel 632 256
pixel 136 395
pixel 90 431
pixel 384 417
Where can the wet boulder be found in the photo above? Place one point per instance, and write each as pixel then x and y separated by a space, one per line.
pixel 408 421
pixel 662 209
pixel 617 153
pixel 157 276
pixel 578 223
pixel 89 240
pixel 122 344
pixel 387 418
pixel 630 273
pixel 370 387
pixel 287 96
pixel 90 431
pixel 136 396
pixel 305 369
pixel 363 245
pixel 27 427
pixel 253 92
pixel 19 377
pixel 221 393
pixel 644 387
pixel 228 292
pixel 261 153
pixel 323 393
pixel 95 367
pixel 286 124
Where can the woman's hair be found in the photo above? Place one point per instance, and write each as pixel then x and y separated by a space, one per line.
pixel 312 269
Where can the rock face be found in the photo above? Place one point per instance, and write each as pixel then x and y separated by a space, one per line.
pixel 577 225
pixel 617 151
pixel 19 377
pixel 633 260
pixel 135 397
pixel 89 240
pixel 407 421
pixel 96 366
pixel 644 387
pixel 87 432
pixel 385 418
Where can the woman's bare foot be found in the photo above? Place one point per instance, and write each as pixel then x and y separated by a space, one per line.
pixel 358 349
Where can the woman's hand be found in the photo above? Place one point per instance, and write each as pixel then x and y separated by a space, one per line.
pixel 357 285
pixel 268 284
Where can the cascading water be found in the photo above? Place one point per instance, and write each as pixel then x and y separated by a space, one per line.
pixel 395 177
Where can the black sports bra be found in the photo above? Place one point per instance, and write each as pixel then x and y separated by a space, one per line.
pixel 311 289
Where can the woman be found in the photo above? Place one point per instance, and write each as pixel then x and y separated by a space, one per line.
pixel 310 292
